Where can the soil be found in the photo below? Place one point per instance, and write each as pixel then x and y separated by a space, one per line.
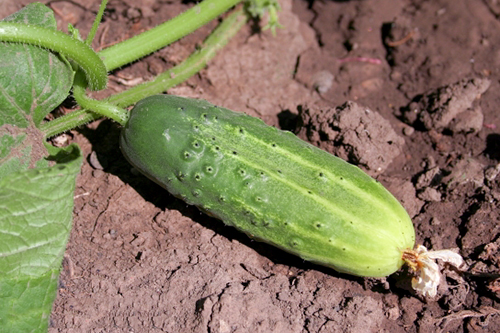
pixel 406 89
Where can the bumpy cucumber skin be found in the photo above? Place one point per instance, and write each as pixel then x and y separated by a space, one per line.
pixel 269 184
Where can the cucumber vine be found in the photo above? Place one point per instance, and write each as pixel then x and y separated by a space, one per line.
pixel 39 67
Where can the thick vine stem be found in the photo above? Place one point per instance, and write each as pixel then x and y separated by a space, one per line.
pixel 193 64
pixel 67 122
pixel 423 263
pixel 101 107
pixel 59 42
pixel 166 33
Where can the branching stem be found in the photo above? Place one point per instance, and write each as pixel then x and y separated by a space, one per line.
pixel 194 63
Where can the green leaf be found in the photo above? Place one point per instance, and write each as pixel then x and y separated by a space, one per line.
pixel 34 13
pixel 33 81
pixel 21 149
pixel 36 199
pixel 36 208
pixel 26 302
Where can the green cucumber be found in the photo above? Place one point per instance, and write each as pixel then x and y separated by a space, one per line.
pixel 269 184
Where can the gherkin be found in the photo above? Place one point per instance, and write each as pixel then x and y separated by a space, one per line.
pixel 269 184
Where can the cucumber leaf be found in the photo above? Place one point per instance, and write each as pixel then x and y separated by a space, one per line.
pixel 36 207
pixel 37 181
pixel 33 82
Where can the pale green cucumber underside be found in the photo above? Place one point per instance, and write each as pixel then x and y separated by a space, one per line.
pixel 269 184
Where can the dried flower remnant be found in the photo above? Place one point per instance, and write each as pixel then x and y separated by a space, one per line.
pixel 423 262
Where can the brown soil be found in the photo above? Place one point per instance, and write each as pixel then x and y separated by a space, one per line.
pixel 421 81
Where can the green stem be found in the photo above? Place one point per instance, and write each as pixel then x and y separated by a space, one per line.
pixel 67 122
pixel 192 65
pixel 57 41
pixel 95 25
pixel 101 107
pixel 219 37
pixel 166 33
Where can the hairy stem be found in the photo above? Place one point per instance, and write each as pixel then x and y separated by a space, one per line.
pixel 57 41
pixel 67 122
pixel 103 108
pixel 180 73
pixel 97 20
pixel 166 33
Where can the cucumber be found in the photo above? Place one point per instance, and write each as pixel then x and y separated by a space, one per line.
pixel 269 184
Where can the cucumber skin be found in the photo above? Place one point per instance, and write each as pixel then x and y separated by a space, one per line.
pixel 269 184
